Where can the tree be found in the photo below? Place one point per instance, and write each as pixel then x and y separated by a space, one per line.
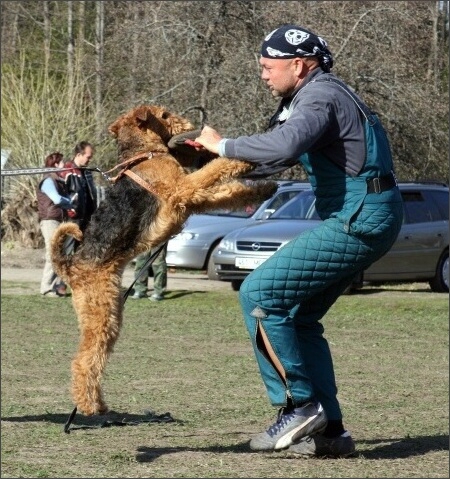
pixel 189 54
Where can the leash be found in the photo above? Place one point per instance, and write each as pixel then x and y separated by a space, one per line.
pixel 146 265
pixel 124 165
pixel 36 171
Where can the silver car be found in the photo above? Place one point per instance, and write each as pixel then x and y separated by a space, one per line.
pixel 420 252
pixel 193 247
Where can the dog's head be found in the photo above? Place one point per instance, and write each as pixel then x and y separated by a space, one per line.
pixel 147 128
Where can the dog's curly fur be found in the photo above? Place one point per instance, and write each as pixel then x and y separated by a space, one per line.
pixel 130 221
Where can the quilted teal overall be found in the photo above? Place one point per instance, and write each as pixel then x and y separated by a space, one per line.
pixel 290 292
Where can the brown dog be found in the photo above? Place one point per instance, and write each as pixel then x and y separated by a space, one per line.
pixel 136 215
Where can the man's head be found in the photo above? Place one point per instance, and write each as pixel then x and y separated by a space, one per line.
pixel 288 54
pixel 83 153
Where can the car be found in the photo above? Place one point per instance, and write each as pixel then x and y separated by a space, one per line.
pixel 192 248
pixel 420 252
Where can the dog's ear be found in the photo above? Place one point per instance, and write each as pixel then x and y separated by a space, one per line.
pixel 143 115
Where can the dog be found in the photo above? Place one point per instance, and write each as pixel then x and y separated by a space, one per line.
pixel 144 208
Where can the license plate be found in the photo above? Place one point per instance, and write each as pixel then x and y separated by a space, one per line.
pixel 248 263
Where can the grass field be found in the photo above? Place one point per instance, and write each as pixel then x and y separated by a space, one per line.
pixel 190 356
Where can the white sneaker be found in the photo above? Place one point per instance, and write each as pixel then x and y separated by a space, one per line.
pixel 156 297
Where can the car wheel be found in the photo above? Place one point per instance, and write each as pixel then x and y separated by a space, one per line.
pixel 236 284
pixel 439 284
pixel 211 269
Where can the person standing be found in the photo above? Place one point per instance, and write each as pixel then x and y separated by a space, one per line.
pixel 81 188
pixel 54 206
pixel 321 123
pixel 141 274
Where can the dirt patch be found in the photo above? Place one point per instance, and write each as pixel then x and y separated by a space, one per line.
pixel 16 256
pixel 24 265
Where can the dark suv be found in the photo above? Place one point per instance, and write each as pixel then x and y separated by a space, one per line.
pixel 420 252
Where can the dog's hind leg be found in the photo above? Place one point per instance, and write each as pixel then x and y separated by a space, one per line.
pixel 98 303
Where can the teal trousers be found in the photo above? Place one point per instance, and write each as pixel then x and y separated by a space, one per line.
pixel 291 292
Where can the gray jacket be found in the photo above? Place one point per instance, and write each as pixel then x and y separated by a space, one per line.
pixel 320 116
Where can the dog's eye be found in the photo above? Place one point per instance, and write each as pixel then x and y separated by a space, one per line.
pixel 165 115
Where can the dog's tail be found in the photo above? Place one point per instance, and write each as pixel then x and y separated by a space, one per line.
pixel 61 261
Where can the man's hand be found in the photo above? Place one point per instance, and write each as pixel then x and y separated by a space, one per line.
pixel 209 139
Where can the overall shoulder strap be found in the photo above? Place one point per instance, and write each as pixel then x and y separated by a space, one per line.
pixel 365 110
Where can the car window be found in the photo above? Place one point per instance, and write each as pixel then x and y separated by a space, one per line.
pixel 301 207
pixel 245 212
pixel 419 208
pixel 279 199
pixel 440 198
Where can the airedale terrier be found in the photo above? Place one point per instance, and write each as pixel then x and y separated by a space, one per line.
pixel 136 215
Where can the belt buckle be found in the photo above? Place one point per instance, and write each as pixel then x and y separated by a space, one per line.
pixel 377 185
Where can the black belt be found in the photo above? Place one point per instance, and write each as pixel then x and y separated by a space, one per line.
pixel 383 183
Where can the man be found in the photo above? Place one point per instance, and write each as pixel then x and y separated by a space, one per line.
pixel 81 188
pixel 345 152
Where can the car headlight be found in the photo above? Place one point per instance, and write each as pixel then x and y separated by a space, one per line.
pixel 226 244
pixel 186 236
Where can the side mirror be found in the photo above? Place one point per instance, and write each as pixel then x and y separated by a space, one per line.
pixel 267 213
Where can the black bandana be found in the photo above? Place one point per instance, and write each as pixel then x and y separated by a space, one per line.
pixel 291 41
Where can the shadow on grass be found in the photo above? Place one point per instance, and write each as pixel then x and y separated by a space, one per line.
pixel 367 291
pixel 181 292
pixel 378 448
pixel 174 294
pixel 110 419
pixel 403 448
pixel 391 287
pixel 384 449
pixel 150 454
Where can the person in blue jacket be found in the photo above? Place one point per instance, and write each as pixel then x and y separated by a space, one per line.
pixel 324 125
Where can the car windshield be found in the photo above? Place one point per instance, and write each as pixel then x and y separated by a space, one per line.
pixel 301 207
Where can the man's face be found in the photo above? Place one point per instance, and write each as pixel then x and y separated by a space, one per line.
pixel 281 75
pixel 83 159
